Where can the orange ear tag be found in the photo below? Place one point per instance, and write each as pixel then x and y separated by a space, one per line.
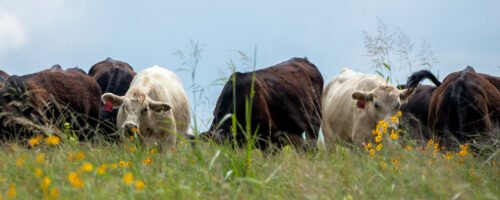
pixel 108 107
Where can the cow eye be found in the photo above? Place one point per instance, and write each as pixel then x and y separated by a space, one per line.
pixel 376 105
pixel 145 110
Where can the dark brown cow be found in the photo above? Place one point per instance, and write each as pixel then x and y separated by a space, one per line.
pixel 287 102
pixel 3 77
pixel 114 77
pixel 466 104
pixel 48 92
pixel 416 109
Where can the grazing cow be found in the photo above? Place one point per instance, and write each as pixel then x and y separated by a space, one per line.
pixel 43 96
pixel 466 104
pixel 286 103
pixel 156 104
pixel 354 102
pixel 416 109
pixel 3 77
pixel 114 77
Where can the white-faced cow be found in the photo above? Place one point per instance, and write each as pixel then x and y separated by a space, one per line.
pixel 353 103
pixel 156 104
pixel 286 104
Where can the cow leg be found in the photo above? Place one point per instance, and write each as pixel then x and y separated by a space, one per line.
pixel 312 132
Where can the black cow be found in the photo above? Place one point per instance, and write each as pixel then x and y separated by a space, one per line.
pixel 29 102
pixel 286 103
pixel 113 76
pixel 465 105
pixel 416 109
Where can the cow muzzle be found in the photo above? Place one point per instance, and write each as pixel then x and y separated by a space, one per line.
pixel 129 127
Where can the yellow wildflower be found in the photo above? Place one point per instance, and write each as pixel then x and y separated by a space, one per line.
pixel 38 172
pixel 102 169
pixel 45 183
pixel 378 138
pixel 125 146
pixel 153 151
pixel 448 155
pixel 368 146
pixel 173 149
pixel 112 166
pixel 148 161
pixel 128 178
pixel 79 155
pixel 408 147
pixel 379 146
pixel 394 136
pixel 374 132
pixel 396 162
pixel 384 130
pixel 40 158
pixel 132 149
pixel 430 143
pixel 132 138
pixel 383 164
pixel 20 161
pixel 54 193
pixel 12 191
pixel 2 180
pixel 139 185
pixel 372 152
pixel 75 180
pixel 136 130
pixel 52 140
pixel 394 118
pixel 129 164
pixel 400 113
pixel 122 163
pixel 87 167
pixel 35 141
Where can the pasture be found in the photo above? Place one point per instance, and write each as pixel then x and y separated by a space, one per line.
pixel 64 169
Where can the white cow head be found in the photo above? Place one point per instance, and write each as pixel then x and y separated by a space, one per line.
pixel 135 110
pixel 382 103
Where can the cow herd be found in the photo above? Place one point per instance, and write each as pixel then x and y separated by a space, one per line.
pixel 278 104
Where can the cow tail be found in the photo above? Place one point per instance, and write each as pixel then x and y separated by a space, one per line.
pixel 419 76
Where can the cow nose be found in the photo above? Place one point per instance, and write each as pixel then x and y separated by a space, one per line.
pixel 130 126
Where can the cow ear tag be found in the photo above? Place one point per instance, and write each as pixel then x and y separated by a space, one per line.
pixel 361 103
pixel 108 106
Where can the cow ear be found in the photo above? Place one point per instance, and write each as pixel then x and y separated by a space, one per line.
pixel 362 98
pixel 159 106
pixel 404 94
pixel 109 98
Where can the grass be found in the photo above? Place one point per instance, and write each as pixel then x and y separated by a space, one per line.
pixel 344 172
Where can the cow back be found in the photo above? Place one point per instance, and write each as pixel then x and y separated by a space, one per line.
pixel 286 102
pixel 465 104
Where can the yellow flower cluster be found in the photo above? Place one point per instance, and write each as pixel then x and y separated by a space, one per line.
pixel 51 140
pixel 74 179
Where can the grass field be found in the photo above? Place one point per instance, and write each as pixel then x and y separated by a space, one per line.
pixel 69 170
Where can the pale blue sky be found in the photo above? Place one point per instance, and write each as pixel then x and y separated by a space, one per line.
pixel 36 34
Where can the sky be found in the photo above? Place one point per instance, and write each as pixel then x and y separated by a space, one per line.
pixel 36 34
